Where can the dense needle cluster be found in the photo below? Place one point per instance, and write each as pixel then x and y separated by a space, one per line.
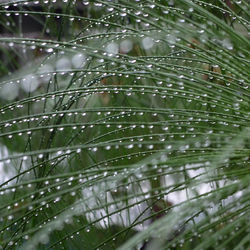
pixel 124 124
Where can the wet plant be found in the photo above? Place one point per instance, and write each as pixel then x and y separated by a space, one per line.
pixel 124 124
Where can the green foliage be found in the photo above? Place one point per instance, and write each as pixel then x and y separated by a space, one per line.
pixel 124 124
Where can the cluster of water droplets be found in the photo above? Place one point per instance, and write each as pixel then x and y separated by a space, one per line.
pixel 122 119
